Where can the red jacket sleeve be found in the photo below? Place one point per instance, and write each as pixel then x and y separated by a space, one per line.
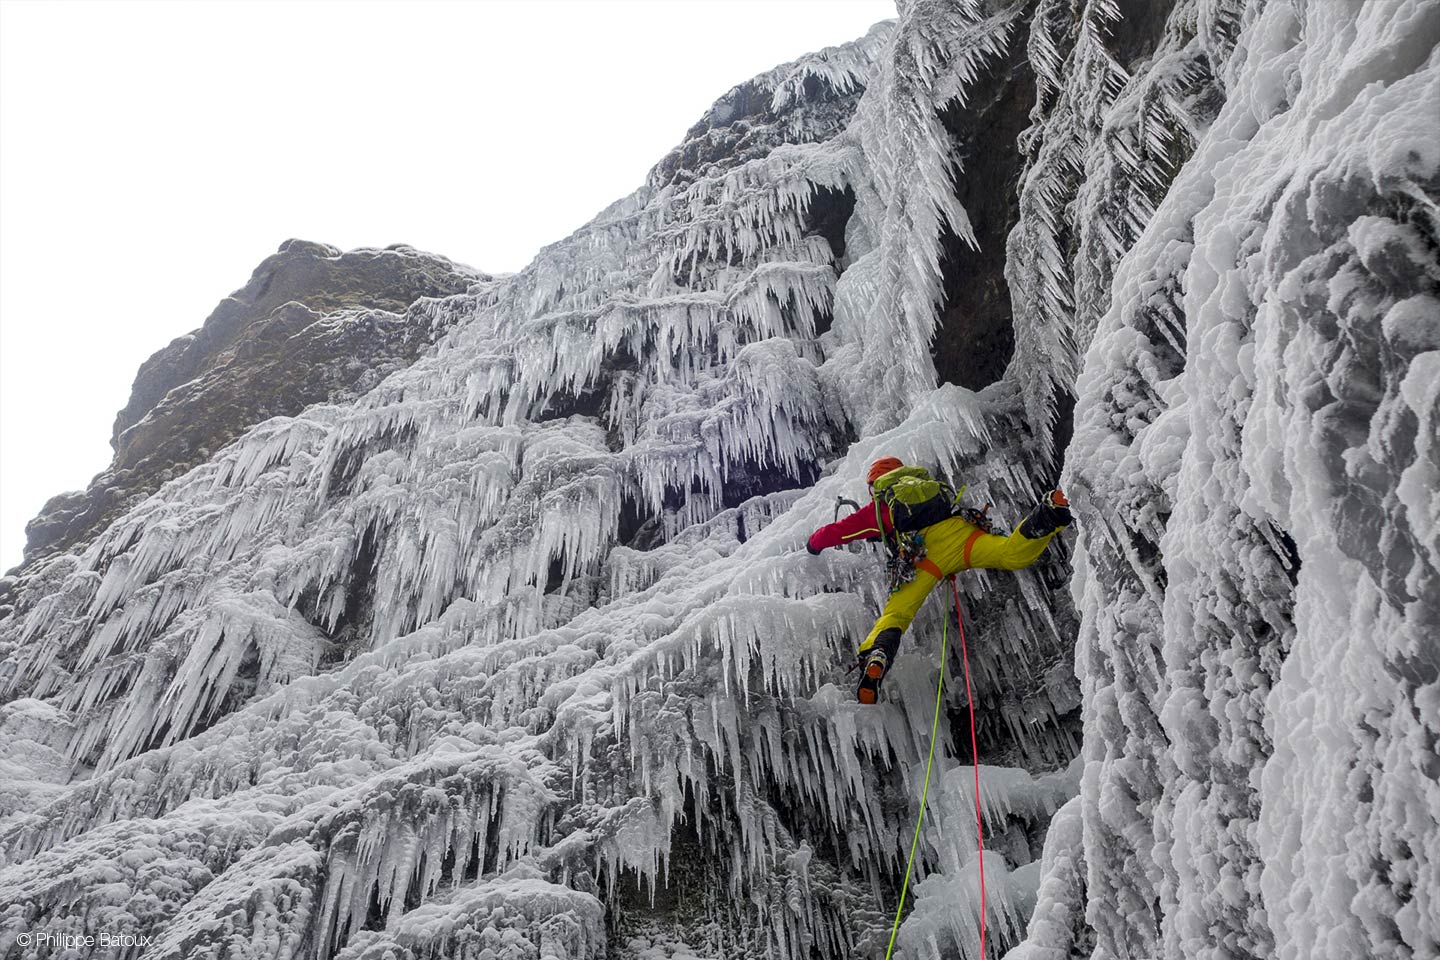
pixel 860 525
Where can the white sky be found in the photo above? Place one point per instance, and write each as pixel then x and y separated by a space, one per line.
pixel 152 154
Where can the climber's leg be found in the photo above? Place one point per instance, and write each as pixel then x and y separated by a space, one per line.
pixel 901 607
pixel 1007 553
pixel 956 545
pixel 878 650
pixel 875 663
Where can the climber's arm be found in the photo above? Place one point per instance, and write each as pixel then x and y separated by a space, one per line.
pixel 860 525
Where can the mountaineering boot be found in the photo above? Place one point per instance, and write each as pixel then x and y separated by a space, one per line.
pixel 875 663
pixel 1051 513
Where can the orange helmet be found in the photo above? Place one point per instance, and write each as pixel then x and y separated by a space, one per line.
pixel 881 467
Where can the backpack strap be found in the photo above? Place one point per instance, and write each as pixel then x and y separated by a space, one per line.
pixel 880 525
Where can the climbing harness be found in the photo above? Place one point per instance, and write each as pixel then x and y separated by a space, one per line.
pixel 905 548
pixel 904 556
pixel 929 762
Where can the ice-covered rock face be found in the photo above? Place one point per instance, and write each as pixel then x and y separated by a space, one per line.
pixel 520 651
pixel 1255 450
pixel 519 654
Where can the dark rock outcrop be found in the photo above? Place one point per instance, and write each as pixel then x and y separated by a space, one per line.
pixel 316 275
pixel 976 338
pixel 312 325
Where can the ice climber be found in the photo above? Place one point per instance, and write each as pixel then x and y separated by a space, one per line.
pixel 934 540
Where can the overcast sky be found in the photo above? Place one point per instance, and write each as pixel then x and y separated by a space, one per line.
pixel 152 154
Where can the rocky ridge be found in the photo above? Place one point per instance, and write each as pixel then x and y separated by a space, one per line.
pixel 313 324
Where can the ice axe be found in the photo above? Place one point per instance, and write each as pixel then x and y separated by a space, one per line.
pixel 846 502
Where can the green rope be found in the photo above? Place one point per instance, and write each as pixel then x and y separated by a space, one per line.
pixel 925 793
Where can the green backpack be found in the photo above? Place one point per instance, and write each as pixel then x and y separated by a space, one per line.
pixel 916 499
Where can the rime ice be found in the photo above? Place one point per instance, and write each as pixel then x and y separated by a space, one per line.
pixel 520 655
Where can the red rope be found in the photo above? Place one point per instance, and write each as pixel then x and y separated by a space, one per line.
pixel 975 754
